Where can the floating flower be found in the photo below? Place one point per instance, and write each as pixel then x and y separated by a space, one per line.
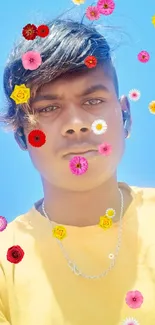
pixel 111 256
pixel 105 222
pixel 106 7
pixel 153 20
pixel 134 94
pixel 130 321
pixel 78 2
pixel 31 60
pixel 3 223
pixel 43 30
pixel 99 127
pixel 110 213
pixel 92 13
pixel 15 254
pixel 144 56
pixel 90 61
pixel 20 94
pixel 134 299
pixel 78 165
pixel 105 149
pixel 29 32
pixel 37 138
pixel 59 232
pixel 152 107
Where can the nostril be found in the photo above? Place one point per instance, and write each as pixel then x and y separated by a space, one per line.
pixel 84 129
pixel 70 131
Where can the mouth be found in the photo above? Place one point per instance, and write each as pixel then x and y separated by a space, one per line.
pixel 86 153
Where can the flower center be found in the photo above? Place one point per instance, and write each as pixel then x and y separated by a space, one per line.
pixel 31 60
pixel 99 126
pixel 93 13
pixel 78 165
pixel 134 299
pixel 37 138
pixel 29 31
pixel 15 254
pixel 143 56
pixel 20 94
pixel 105 6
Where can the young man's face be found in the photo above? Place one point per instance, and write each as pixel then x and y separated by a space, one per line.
pixel 67 126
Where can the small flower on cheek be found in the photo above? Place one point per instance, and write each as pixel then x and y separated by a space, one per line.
pixel 105 149
pixel 37 138
pixel 99 127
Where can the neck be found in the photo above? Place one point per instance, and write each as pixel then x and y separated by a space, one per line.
pixel 81 208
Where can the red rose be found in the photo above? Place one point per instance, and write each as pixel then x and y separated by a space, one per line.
pixel 43 30
pixel 15 254
pixel 37 138
pixel 90 61
pixel 30 32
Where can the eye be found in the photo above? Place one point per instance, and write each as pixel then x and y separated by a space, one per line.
pixel 48 109
pixel 94 101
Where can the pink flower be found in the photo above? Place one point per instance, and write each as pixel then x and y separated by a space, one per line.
pixel 134 299
pixel 106 7
pixel 78 165
pixel 143 56
pixel 105 149
pixel 134 94
pixel 3 223
pixel 92 13
pixel 31 60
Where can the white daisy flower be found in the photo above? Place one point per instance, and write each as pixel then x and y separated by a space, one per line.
pixel 110 213
pixel 130 321
pixel 99 127
pixel 134 94
pixel 111 256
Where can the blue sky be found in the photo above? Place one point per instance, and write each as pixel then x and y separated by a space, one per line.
pixel 20 182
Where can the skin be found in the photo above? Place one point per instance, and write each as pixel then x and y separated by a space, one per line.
pixel 79 200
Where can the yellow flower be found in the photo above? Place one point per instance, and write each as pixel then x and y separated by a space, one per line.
pixel 153 20
pixel 105 222
pixel 78 2
pixel 20 94
pixel 110 213
pixel 152 107
pixel 59 232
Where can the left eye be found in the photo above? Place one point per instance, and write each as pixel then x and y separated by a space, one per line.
pixel 93 102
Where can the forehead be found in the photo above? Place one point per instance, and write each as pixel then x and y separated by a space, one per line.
pixel 77 81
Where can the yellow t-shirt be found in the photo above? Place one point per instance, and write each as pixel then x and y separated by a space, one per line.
pixel 42 290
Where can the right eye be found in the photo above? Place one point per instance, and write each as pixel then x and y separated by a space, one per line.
pixel 48 109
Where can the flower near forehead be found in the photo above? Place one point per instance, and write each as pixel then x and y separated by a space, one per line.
pixel 130 321
pixel 134 94
pixel 105 149
pixel 152 107
pixel 143 56
pixel 99 127
pixel 43 31
pixel 3 223
pixel 105 222
pixel 153 20
pixel 78 2
pixel 134 299
pixel 31 60
pixel 15 254
pixel 78 165
pixel 59 232
pixel 29 32
pixel 106 7
pixel 110 213
pixel 20 94
pixel 92 13
pixel 37 138
pixel 90 61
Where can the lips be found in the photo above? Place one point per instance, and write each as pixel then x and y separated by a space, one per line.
pixel 79 152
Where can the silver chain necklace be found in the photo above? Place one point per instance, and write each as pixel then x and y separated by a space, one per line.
pixel 73 266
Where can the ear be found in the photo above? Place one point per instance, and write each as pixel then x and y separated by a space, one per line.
pixel 20 139
pixel 126 114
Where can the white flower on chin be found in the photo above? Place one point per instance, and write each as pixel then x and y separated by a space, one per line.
pixel 99 127
pixel 130 321
pixel 134 94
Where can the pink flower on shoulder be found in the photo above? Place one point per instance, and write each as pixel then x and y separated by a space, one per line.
pixel 134 299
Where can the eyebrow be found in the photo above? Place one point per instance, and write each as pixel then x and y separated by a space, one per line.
pixel 87 91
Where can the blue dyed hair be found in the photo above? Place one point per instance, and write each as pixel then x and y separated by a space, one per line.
pixel 63 51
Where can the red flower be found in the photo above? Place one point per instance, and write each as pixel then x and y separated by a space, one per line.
pixel 37 138
pixel 15 254
pixel 30 32
pixel 90 61
pixel 43 30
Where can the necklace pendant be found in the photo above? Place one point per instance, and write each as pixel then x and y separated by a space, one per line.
pixel 76 270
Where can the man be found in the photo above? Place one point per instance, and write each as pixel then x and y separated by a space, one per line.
pixel 84 254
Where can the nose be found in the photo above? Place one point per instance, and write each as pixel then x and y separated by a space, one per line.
pixel 71 131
